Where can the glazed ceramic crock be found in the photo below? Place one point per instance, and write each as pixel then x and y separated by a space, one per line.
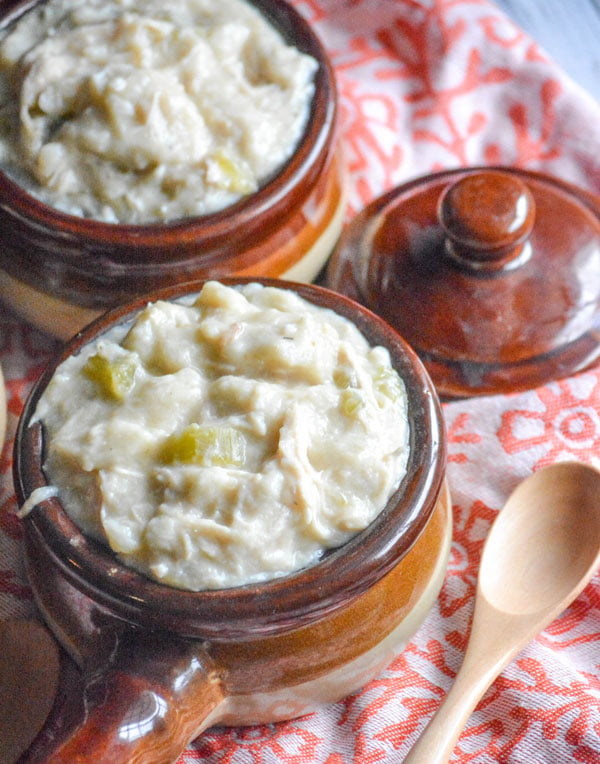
pixel 158 665
pixel 58 271
pixel 491 274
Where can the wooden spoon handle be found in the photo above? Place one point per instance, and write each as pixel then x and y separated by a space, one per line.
pixel 495 639
pixel 437 741
pixel 156 695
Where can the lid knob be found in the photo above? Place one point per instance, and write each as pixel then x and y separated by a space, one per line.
pixel 488 217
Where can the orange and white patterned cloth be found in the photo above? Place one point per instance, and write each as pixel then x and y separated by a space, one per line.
pixel 427 85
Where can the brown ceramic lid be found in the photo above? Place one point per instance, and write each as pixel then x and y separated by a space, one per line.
pixel 491 274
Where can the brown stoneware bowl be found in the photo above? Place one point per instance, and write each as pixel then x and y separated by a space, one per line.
pixel 157 665
pixel 60 271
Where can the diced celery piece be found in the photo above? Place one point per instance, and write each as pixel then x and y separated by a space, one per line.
pixel 342 378
pixel 205 445
pixel 236 177
pixel 351 403
pixel 388 383
pixel 114 378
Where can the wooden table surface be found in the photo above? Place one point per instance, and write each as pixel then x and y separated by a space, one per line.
pixel 568 30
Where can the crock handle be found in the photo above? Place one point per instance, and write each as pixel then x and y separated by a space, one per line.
pixel 152 698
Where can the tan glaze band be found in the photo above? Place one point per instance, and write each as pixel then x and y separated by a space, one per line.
pixel 293 701
pixel 309 654
pixel 322 228
pixel 63 319
pixel 2 411
pixel 57 317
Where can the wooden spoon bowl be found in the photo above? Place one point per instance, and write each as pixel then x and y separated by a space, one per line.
pixel 542 550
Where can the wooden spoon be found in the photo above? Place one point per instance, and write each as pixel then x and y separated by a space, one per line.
pixel 29 667
pixel 542 550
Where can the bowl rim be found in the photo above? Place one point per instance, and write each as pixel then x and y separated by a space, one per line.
pixel 279 604
pixel 304 163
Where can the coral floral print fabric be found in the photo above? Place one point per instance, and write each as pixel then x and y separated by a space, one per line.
pixel 427 85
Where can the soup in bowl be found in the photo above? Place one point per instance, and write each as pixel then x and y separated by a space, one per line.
pixel 144 145
pixel 159 658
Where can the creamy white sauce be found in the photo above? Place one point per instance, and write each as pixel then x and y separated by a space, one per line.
pixel 228 440
pixel 144 110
